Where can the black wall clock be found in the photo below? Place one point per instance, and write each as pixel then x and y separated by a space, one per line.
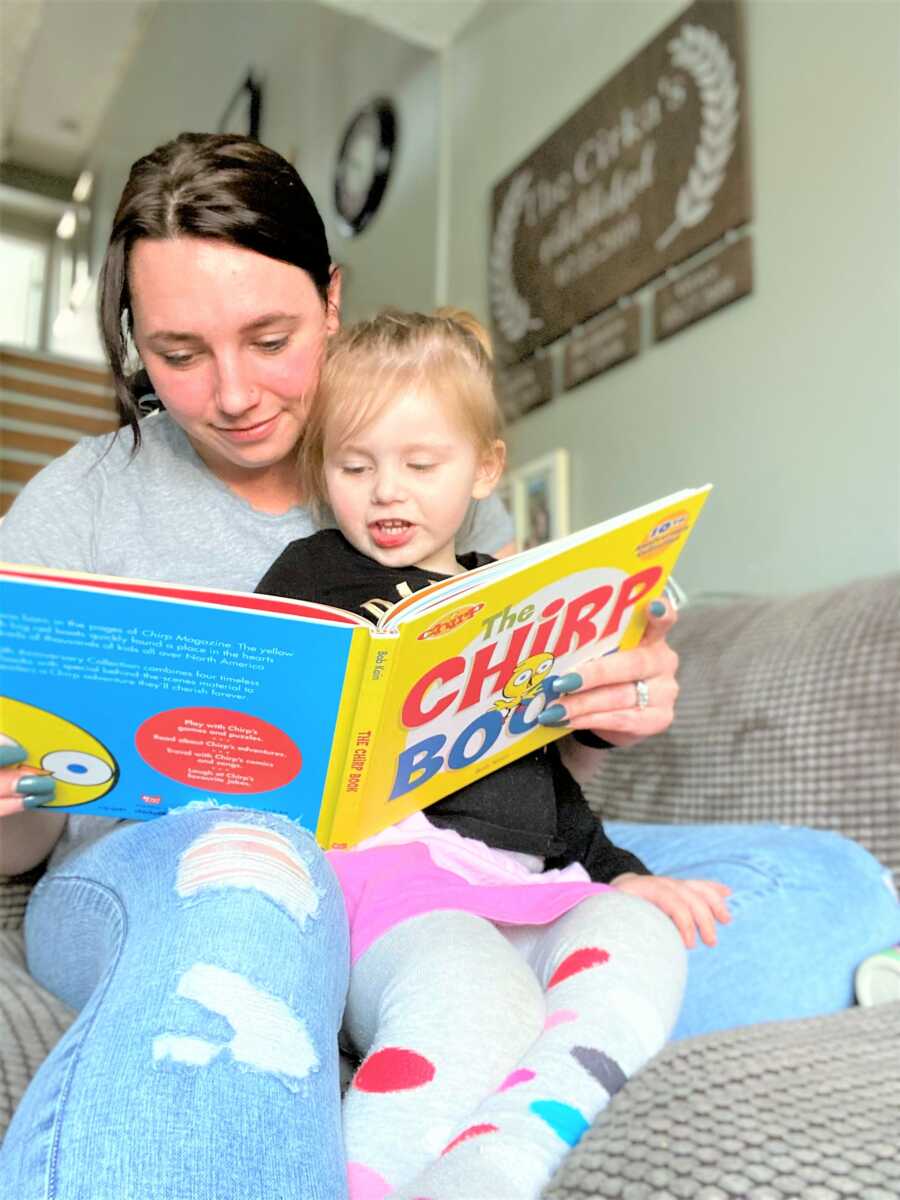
pixel 364 165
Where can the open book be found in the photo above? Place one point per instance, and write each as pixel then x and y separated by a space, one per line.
pixel 143 697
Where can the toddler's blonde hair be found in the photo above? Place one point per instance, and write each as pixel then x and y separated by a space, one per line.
pixel 447 352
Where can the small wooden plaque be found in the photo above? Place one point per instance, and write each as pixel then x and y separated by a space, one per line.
pixel 719 281
pixel 609 339
pixel 525 386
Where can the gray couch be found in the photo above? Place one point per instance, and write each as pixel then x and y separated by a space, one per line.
pixel 789 712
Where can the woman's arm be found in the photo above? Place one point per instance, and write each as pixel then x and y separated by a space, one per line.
pixel 26 838
pixel 27 834
pixel 582 762
pixel 50 522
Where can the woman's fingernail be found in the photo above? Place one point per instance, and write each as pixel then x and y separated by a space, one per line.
pixel 11 753
pixel 31 802
pixel 554 715
pixel 36 785
pixel 658 609
pixel 567 683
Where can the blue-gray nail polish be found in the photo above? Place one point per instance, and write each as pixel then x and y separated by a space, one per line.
pixel 11 753
pixel 554 715
pixel 567 683
pixel 36 785
pixel 658 609
pixel 31 802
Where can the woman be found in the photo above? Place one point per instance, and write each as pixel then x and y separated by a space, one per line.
pixel 203 1061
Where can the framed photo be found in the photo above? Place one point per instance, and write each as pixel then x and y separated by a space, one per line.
pixel 506 493
pixel 537 495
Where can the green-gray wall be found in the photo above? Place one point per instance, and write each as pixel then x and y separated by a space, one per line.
pixel 318 66
pixel 789 401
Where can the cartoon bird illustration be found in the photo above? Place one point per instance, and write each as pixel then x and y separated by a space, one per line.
pixel 524 683
pixel 83 768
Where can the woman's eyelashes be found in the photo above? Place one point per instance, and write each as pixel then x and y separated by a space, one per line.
pixel 178 360
pixel 187 358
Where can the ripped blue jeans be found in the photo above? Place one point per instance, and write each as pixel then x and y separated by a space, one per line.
pixel 207 952
pixel 807 907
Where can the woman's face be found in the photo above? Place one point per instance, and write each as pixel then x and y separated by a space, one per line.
pixel 233 343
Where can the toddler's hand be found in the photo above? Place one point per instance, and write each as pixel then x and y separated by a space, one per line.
pixel 691 903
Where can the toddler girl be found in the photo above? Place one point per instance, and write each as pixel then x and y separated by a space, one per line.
pixel 508 972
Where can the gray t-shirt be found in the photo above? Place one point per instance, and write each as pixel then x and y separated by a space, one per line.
pixel 162 515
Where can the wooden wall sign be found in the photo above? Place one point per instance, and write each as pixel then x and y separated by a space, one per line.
pixel 603 343
pixel 525 386
pixel 652 168
pixel 722 279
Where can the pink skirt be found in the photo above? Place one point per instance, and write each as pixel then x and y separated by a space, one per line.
pixel 388 879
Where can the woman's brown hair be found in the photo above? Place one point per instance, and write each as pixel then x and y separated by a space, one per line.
pixel 205 185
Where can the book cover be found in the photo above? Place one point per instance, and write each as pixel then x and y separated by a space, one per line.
pixel 140 698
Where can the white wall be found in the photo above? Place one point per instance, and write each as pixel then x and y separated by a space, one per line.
pixel 789 401
pixel 318 67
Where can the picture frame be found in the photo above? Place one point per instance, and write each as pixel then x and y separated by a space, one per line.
pixel 537 496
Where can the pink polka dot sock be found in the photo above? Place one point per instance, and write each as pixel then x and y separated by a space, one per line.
pixel 365 1184
pixel 443 1007
pixel 614 970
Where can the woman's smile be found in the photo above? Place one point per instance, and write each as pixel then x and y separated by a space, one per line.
pixel 257 432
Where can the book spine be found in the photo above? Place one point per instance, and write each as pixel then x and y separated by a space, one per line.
pixel 361 742
pixel 352 690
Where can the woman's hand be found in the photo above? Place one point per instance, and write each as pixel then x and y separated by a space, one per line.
pixel 603 696
pixel 693 904
pixel 27 832
pixel 21 786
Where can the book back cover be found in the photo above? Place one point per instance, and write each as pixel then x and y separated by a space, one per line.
pixel 138 704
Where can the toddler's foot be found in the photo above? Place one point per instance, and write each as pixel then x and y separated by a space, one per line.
pixel 483 1162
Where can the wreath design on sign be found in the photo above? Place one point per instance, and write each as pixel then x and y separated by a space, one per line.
pixel 704 55
pixel 510 308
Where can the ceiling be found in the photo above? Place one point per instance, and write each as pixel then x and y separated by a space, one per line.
pixel 87 43
pixel 429 23
pixel 90 44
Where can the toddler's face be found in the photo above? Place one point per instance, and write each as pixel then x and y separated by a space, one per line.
pixel 400 487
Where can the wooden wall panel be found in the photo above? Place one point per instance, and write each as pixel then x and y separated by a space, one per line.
pixel 46 405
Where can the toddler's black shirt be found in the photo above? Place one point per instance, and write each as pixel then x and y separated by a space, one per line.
pixel 532 805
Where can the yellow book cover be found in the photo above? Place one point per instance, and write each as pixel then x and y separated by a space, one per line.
pixel 141 697
pixel 462 669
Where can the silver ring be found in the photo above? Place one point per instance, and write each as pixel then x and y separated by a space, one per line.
pixel 641 694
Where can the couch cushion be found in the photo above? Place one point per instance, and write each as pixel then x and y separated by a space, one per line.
pixel 768 1112
pixel 31 1023
pixel 789 712
pixel 14 893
